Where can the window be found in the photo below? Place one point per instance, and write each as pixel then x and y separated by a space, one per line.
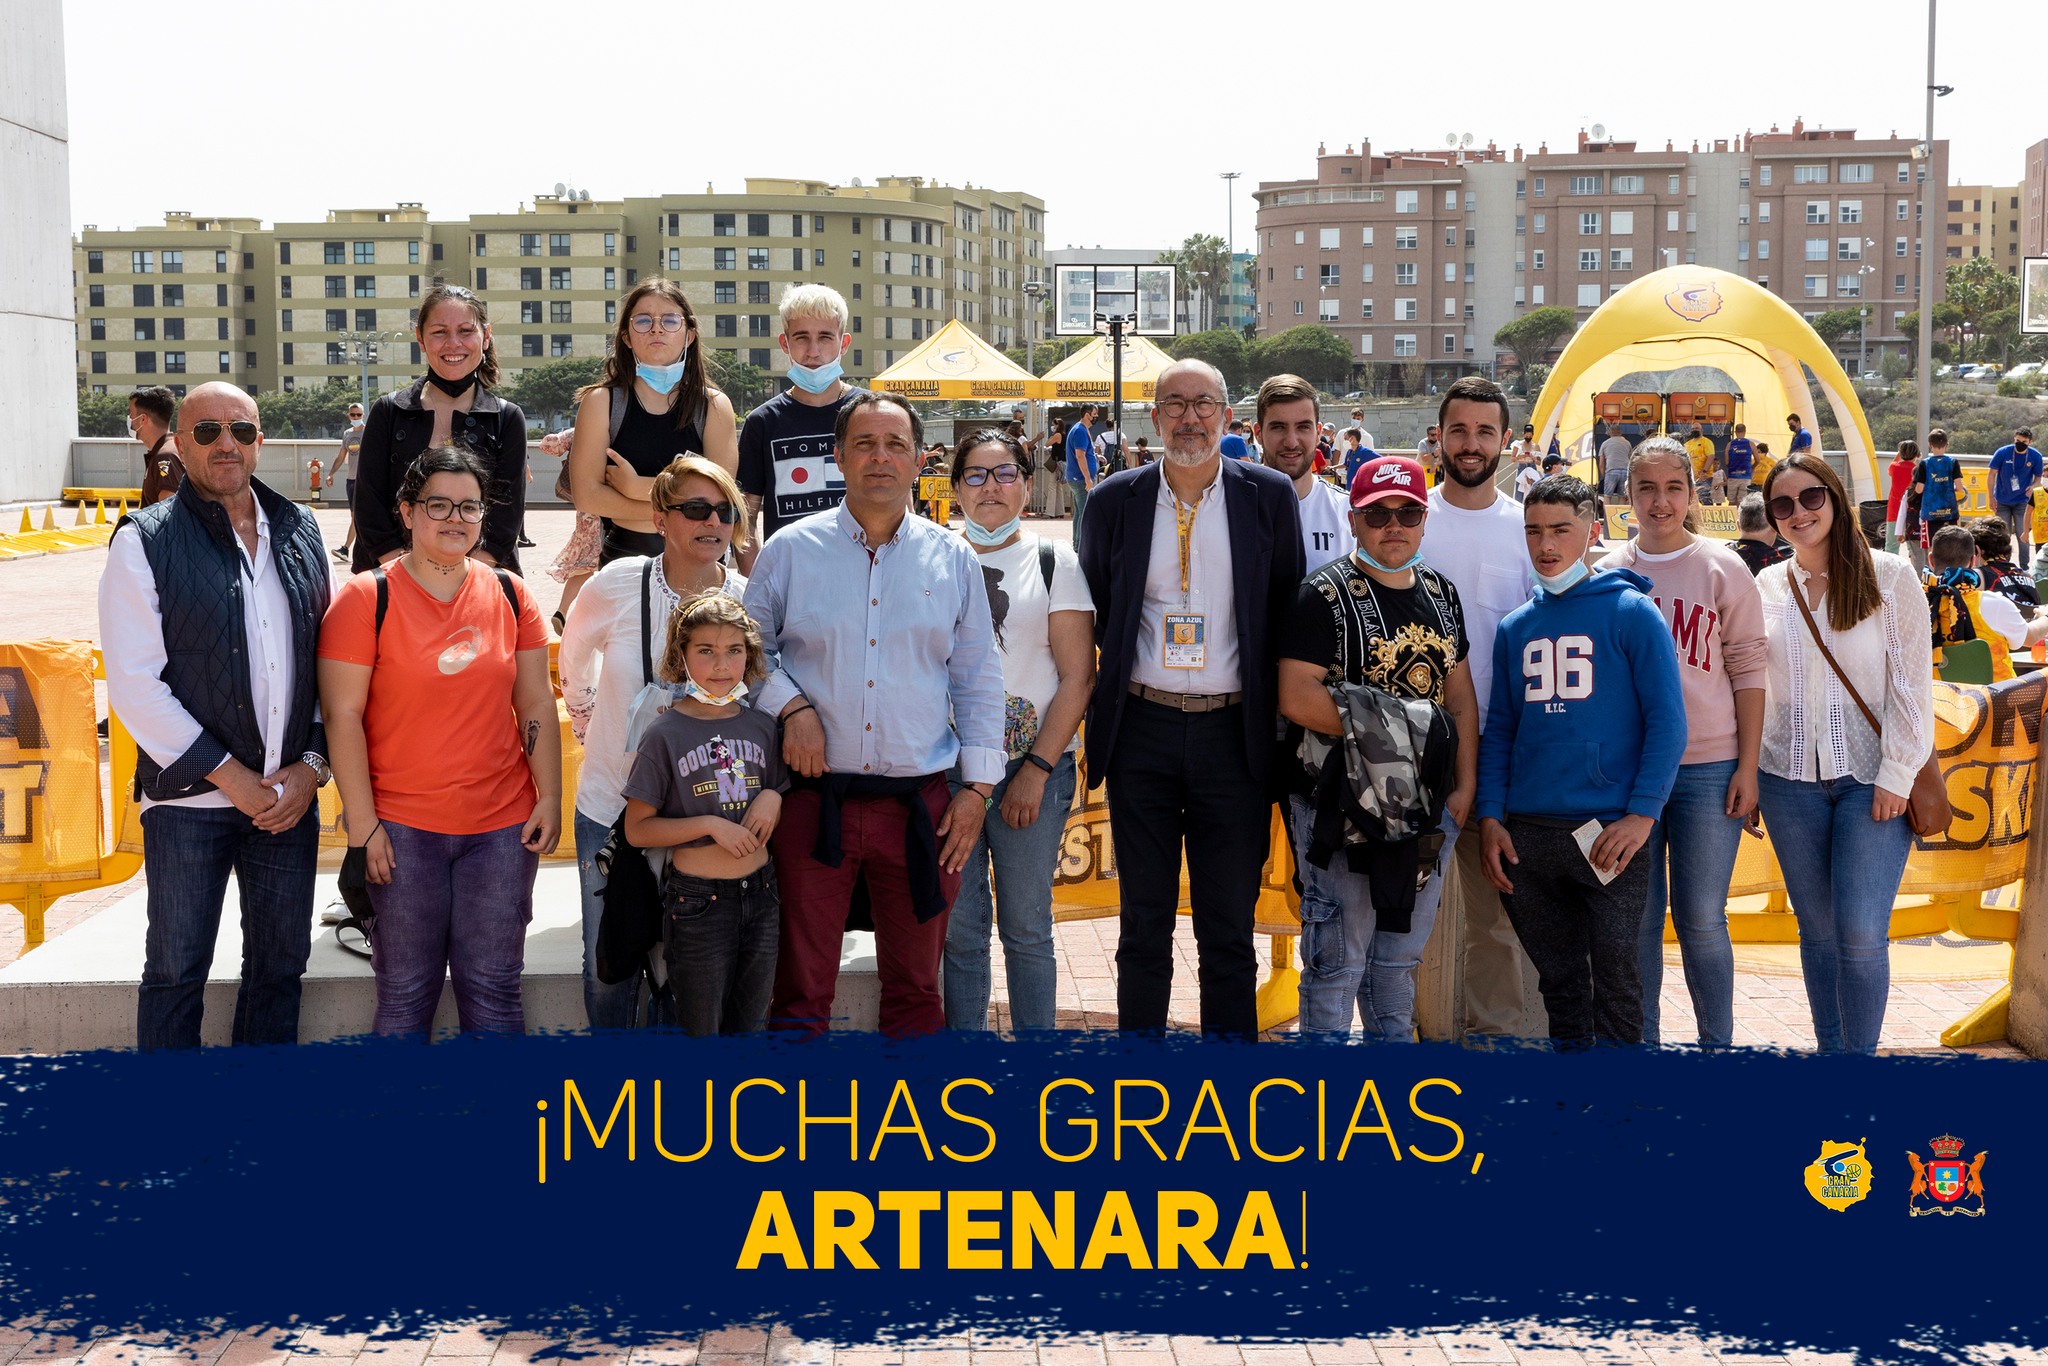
pixel 1364 236
pixel 1763 249
pixel 96 296
pixel 1850 211
pixel 1816 211
pixel 1538 188
pixel 1898 284
pixel 817 256
pixel 1327 276
pixel 1899 211
pixel 1849 286
pixel 1589 225
pixel 611 310
pixel 1404 310
pixel 611 244
pixel 757 258
pixel 226 361
pixel 1405 239
pixel 758 325
pixel 723 258
pixel 98 329
pixel 725 325
pixel 1589 296
pixel 1622 222
pixel 558 277
pixel 675 258
pixel 558 244
pixel 1585 184
pixel 366 286
pixel 145 329
pixel 1858 173
pixel 333 253
pixel 559 311
pixel 1536 259
pixel 412 253
pixel 1742 250
pixel 1816 248
pixel 1899 247
pixel 1404 343
pixel 1450 235
pixel 1407 201
pixel 366 253
pixel 529 244
pixel 757 292
pixel 1365 273
pixel 174 296
pixel 336 287
pixel 1300 236
pixel 757 225
pixel 1326 310
pixel 1450 343
pixel 559 344
pixel 335 354
pixel 145 362
pixel 1450 272
pixel 96 262
pixel 366 320
pixel 530 344
pixel 611 277
pixel 1521 225
pixel 1628 184
pixel 1763 174
pixel 1849 249
pixel 1816 286
pixel 1542 222
pixel 724 292
pixel 1297 308
pixel 1365 310
pixel 724 225
pixel 284 288
pixel 796 259
pixel 1450 308
pixel 529 311
pixel 1327 238
pixel 1404 273
pixel 1536 295
pixel 284 321
pixel 1809 175
pixel 1300 272
pixel 1365 344
pixel 174 263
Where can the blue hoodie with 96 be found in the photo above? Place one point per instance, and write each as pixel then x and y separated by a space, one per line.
pixel 1587 719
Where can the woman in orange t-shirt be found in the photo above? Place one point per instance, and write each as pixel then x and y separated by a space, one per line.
pixel 444 743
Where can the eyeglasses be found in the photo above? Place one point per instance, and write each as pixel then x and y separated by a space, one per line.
pixel 703 510
pixel 1203 407
pixel 645 322
pixel 441 509
pixel 1410 517
pixel 1002 474
pixel 208 432
pixel 1813 498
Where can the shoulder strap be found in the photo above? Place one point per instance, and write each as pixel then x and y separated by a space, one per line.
pixel 618 412
pixel 383 600
pixel 1045 562
pixel 646 627
pixel 1813 629
pixel 511 595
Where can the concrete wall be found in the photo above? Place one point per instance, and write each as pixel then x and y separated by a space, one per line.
pixel 38 386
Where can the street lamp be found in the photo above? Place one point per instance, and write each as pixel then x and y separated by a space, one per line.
pixel 1229 179
pixel 1929 241
pixel 1034 290
pixel 361 348
pixel 1863 311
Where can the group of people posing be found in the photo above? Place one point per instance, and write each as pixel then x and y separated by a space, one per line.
pixel 808 707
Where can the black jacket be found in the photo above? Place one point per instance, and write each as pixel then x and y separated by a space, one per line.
pixel 1265 562
pixel 193 558
pixel 395 433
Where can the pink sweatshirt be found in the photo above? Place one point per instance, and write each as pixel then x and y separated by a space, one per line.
pixel 1717 626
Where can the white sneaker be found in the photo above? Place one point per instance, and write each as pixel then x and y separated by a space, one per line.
pixel 335 912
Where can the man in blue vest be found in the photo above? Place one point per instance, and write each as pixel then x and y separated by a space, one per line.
pixel 210 610
pixel 1081 461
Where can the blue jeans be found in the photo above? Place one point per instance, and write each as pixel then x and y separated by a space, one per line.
pixel 1343 958
pixel 605 1006
pixel 1080 491
pixel 1702 842
pixel 1023 863
pixel 1842 870
pixel 456 908
pixel 187 854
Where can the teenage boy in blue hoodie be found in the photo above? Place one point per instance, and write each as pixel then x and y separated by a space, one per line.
pixel 1582 742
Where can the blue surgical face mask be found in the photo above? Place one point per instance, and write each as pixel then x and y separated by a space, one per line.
pixel 1558 583
pixel 979 535
pixel 690 689
pixel 814 380
pixel 662 378
pixel 1371 563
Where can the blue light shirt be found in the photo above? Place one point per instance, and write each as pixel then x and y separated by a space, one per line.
pixel 887 645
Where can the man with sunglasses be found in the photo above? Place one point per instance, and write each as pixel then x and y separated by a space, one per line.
pixel 1377 616
pixel 1192 563
pixel 210 609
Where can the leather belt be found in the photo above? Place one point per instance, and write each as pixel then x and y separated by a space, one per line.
pixel 1187 701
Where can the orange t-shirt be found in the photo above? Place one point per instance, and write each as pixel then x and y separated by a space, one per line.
pixel 445 753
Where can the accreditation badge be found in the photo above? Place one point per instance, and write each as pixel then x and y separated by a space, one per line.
pixel 1186 635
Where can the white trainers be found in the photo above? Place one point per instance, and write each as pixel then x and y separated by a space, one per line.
pixel 335 912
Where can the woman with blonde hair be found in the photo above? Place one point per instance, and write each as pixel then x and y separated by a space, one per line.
pixel 611 648
pixel 654 402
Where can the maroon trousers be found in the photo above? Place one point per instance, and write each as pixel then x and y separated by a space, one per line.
pixel 815 900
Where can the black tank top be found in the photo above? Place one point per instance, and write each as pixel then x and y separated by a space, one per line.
pixel 648 441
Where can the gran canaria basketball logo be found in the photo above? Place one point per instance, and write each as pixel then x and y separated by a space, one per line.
pixel 1840 1176
pixel 1694 302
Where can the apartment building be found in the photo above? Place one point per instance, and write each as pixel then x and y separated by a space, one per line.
pixel 274 308
pixel 1422 256
pixel 1984 220
pixel 2034 202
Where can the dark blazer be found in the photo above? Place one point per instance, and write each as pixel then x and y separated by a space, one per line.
pixel 1266 562
pixel 397 430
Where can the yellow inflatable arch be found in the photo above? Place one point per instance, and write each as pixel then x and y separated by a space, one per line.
pixel 1696 318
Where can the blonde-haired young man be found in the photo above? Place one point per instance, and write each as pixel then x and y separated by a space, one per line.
pixel 788 464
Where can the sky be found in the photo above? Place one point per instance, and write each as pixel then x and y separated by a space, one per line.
pixel 282 110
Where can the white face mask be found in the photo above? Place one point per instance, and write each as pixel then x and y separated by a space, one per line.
pixel 691 690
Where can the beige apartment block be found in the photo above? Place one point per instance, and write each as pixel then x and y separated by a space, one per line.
pixel 169 305
pixel 1984 220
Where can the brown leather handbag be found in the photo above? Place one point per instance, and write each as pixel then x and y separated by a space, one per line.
pixel 1927 806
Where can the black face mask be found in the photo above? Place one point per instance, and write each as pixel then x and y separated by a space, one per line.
pixel 454 388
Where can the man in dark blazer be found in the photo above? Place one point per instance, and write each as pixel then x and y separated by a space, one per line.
pixel 1192 561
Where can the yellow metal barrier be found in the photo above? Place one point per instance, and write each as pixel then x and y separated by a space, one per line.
pixel 99 495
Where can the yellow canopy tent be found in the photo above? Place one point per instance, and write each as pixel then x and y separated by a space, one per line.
pixel 1697 320
pixel 955 363
pixel 1086 374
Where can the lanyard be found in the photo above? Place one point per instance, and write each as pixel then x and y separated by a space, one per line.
pixel 1184 515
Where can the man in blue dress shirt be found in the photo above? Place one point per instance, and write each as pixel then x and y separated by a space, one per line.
pixel 878 627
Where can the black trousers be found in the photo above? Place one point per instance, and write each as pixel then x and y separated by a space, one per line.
pixel 1579 934
pixel 1181 781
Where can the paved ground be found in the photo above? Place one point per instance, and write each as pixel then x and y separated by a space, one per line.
pixel 1525 1345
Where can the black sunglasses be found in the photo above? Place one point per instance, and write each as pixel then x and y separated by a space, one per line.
pixel 1813 498
pixel 703 510
pixel 1002 474
pixel 208 432
pixel 1410 517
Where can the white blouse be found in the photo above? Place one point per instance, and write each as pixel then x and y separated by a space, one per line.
pixel 1813 730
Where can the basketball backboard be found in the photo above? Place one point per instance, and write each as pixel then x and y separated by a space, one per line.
pixel 1084 294
pixel 2034 294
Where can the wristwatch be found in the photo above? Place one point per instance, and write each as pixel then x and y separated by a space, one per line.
pixel 322 774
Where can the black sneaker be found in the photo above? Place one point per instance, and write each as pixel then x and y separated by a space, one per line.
pixel 525 544
pixel 341 552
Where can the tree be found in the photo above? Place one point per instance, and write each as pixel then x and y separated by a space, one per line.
pixel 1221 347
pixel 102 414
pixel 1315 353
pixel 308 413
pixel 1980 291
pixel 1045 354
pixel 548 391
pixel 1203 260
pixel 745 385
pixel 1836 325
pixel 1534 335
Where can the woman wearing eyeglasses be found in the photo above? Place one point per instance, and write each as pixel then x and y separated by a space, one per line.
pixel 441 726
pixel 451 403
pixel 607 658
pixel 1045 632
pixel 654 403
pixel 1843 622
